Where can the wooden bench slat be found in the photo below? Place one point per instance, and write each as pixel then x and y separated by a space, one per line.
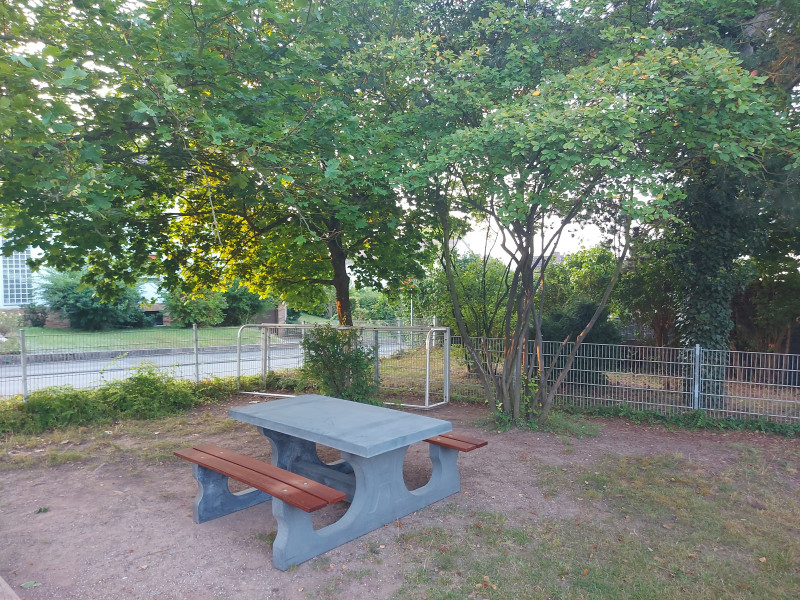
pixel 457 441
pixel 322 491
pixel 266 483
pixel 454 435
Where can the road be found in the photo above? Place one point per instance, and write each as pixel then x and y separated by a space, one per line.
pixel 93 372
pixel 102 367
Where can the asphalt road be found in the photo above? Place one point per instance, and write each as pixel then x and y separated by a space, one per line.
pixel 97 368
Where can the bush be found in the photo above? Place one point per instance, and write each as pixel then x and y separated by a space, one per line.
pixel 61 407
pixel 148 394
pixel 82 307
pixel 241 305
pixel 35 315
pixel 339 365
pixel 590 363
pixel 9 333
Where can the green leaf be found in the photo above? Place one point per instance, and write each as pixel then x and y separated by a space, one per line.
pixel 30 584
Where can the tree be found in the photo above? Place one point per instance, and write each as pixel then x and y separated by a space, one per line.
pixel 217 137
pixel 538 113
pixel 581 276
pixel 645 295
pixel 241 305
pixel 481 284
pixel 202 310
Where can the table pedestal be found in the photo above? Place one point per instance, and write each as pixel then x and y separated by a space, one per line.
pixel 376 487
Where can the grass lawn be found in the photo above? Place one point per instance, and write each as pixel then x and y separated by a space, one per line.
pixel 670 529
pixel 39 339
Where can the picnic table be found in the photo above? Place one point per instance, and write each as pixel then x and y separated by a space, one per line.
pixel 372 441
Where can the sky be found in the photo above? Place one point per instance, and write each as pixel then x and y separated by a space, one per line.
pixel 573 240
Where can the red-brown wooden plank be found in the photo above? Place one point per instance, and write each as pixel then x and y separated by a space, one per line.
pixel 459 442
pixel 321 491
pixel 478 443
pixel 299 498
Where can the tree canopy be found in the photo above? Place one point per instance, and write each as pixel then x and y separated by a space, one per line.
pixel 293 145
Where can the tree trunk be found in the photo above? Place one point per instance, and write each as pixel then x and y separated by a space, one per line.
pixel 341 280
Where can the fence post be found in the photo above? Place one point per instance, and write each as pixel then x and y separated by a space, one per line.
pixel 696 376
pixel 23 361
pixel 196 354
pixel 264 356
pixel 377 359
pixel 446 389
pixel 269 344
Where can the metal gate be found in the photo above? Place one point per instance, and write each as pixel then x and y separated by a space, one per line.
pixel 411 368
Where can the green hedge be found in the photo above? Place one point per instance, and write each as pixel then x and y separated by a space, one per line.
pixel 147 394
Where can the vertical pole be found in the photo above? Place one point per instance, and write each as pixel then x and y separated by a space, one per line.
pixel 376 346
pixel 447 364
pixel 196 354
pixel 239 359
pixel 264 356
pixel 697 377
pixel 428 369
pixel 399 333
pixel 23 360
pixel 269 359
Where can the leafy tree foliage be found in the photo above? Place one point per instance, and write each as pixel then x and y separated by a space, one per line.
pixel 581 276
pixel 574 112
pixel 372 305
pixel 241 305
pixel 645 296
pixel 202 310
pixel 481 284
pixel 215 136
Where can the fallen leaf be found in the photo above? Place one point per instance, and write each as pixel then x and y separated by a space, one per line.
pixel 30 584
pixel 763 559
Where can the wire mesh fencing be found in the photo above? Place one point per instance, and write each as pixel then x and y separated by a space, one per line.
pixel 410 362
pixel 423 366
pixel 726 384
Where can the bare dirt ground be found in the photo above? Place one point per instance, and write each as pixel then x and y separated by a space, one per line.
pixel 121 526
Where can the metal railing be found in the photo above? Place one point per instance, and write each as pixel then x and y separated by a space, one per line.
pixel 726 384
pixel 408 369
pixel 413 362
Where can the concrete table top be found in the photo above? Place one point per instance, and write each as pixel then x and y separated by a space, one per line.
pixel 360 429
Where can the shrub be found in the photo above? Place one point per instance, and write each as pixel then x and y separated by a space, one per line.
pixel 9 333
pixel 148 394
pixel 241 305
pixel 340 366
pixel 51 408
pixel 35 315
pixel 81 306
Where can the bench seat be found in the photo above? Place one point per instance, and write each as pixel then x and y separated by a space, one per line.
pixel 293 489
pixel 457 441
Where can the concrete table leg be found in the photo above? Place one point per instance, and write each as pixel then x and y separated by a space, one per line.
pixel 214 498
pixel 380 497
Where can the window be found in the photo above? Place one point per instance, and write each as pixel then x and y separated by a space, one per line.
pixel 17 283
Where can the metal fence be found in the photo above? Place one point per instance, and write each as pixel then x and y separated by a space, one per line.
pixel 411 360
pixel 726 384
pixel 411 364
